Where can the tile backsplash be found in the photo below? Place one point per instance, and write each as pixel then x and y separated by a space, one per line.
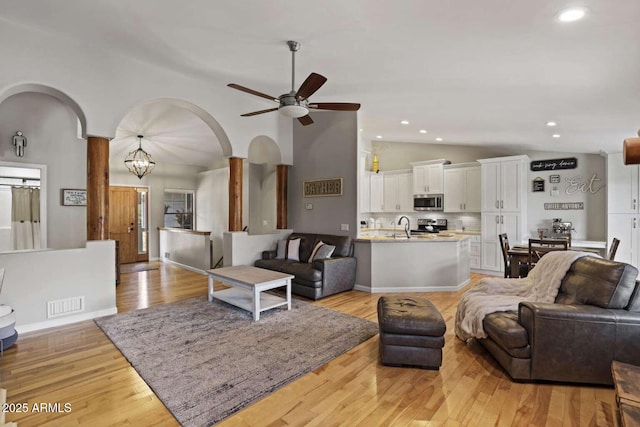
pixel 456 221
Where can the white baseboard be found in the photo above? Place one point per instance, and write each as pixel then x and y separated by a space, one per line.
pixel 392 289
pixel 186 267
pixel 487 272
pixel 61 321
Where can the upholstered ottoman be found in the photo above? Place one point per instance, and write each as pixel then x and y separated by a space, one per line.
pixel 411 332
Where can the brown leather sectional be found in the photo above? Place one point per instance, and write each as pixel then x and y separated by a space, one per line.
pixel 322 277
pixel 595 319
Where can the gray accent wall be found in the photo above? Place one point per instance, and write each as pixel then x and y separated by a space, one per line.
pixel 325 149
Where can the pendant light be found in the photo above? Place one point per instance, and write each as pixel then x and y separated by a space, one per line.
pixel 139 162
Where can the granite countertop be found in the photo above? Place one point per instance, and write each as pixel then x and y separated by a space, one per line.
pixel 423 238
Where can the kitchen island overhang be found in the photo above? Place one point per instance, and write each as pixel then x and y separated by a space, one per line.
pixel 418 264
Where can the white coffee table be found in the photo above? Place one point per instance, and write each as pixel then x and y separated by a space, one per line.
pixel 248 286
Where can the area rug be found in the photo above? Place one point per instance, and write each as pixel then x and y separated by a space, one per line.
pixel 206 361
pixel 137 267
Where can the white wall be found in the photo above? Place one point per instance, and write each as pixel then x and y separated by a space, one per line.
pixel 107 85
pixel 189 250
pixel 51 131
pixel 212 206
pixel 240 248
pixel 32 278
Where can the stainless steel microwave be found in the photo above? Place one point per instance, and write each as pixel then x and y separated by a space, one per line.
pixel 428 202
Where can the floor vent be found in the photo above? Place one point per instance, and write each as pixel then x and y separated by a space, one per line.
pixel 63 307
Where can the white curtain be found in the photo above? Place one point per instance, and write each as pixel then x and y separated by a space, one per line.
pixel 25 218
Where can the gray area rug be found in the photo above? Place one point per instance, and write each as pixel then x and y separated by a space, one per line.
pixel 206 361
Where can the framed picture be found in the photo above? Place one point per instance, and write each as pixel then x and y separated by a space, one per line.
pixel 538 185
pixel 554 179
pixel 72 197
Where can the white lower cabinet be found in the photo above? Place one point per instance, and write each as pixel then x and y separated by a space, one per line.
pixel 475 252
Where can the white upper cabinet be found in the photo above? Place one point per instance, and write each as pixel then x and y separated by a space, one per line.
pixel 376 192
pixel 397 192
pixel 462 188
pixel 428 177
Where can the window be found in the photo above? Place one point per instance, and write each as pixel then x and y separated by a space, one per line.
pixel 179 208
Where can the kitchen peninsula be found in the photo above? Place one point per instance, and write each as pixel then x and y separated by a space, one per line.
pixel 418 264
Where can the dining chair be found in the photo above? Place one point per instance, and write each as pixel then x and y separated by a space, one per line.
pixel 539 247
pixel 613 248
pixel 504 245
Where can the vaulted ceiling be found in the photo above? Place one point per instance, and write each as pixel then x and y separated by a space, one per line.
pixel 488 73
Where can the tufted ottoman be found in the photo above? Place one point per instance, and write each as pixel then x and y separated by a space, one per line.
pixel 411 332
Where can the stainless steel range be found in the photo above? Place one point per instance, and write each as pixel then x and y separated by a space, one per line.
pixel 430 226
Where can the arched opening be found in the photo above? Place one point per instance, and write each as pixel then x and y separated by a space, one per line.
pixel 189 148
pixel 53 158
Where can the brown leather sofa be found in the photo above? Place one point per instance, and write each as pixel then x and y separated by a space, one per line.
pixel 322 277
pixel 595 319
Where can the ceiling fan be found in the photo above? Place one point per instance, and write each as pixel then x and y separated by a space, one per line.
pixel 296 104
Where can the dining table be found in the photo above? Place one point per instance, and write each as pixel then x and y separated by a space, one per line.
pixel 520 255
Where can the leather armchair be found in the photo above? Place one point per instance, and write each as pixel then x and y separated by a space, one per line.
pixel 595 319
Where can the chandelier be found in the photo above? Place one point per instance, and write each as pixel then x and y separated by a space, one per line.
pixel 139 162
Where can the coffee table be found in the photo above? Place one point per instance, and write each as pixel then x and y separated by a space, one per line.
pixel 248 286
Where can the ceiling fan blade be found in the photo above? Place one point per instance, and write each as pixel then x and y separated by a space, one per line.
pixel 252 92
pixel 336 106
pixel 305 120
pixel 310 86
pixel 255 113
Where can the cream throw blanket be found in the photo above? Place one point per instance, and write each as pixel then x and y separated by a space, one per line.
pixel 493 294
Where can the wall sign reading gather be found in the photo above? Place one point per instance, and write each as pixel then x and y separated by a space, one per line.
pixel 554 164
pixel 322 187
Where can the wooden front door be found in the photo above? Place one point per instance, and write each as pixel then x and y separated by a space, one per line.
pixel 123 222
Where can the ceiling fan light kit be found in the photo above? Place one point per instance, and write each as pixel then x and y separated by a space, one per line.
pixel 295 104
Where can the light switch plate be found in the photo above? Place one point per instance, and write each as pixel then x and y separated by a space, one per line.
pixel 344 227
pixel 308 206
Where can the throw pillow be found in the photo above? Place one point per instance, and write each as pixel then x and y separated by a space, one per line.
pixel 281 250
pixel 315 249
pixel 325 251
pixel 293 252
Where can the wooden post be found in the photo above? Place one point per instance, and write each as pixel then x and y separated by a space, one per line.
pixel 235 194
pixel 282 192
pixel 97 188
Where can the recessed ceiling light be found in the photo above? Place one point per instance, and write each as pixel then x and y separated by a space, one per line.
pixel 423 131
pixel 438 139
pixel 551 123
pixel 379 136
pixel 404 122
pixel 571 15
pixel 556 135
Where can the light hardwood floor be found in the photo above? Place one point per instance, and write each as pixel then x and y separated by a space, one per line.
pixel 77 364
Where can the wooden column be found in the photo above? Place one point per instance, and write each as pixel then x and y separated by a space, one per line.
pixel 97 188
pixel 235 194
pixel 282 192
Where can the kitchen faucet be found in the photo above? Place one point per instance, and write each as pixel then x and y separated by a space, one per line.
pixel 407 227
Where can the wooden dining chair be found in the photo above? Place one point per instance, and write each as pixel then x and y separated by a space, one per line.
pixel 539 247
pixel 613 248
pixel 504 245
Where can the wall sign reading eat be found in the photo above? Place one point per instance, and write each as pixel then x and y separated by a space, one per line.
pixel 554 164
